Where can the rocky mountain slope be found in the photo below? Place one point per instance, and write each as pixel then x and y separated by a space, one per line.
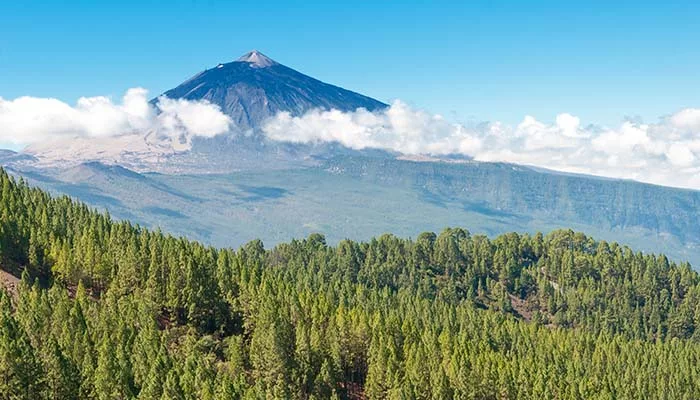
pixel 255 87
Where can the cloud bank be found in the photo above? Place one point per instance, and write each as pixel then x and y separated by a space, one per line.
pixel 31 120
pixel 666 152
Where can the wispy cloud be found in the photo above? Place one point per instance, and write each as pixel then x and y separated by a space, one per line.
pixel 30 120
pixel 666 152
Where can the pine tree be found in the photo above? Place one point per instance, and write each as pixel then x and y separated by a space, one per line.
pixel 62 376
pixel 21 373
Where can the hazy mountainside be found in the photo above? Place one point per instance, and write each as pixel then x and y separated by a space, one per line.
pixel 107 309
pixel 511 189
pixel 255 87
pixel 363 196
pixel 9 156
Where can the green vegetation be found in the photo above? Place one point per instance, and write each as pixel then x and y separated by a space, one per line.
pixel 108 310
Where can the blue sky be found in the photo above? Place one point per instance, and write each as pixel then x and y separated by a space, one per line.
pixel 477 61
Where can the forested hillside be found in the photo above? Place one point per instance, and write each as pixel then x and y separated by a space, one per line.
pixel 108 310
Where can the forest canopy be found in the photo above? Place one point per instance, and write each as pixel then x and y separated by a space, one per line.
pixel 109 310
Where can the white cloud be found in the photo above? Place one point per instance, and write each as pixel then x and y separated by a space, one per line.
pixel 31 120
pixel 399 128
pixel 196 118
pixel 665 153
pixel 688 118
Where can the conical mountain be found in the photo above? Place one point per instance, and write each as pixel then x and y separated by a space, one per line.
pixel 255 87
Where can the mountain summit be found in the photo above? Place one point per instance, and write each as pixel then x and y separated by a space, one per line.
pixel 257 59
pixel 255 87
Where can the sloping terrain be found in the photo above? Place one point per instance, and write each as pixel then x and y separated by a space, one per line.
pixel 360 197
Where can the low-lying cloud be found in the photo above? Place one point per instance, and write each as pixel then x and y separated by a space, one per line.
pixel 666 152
pixel 30 120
